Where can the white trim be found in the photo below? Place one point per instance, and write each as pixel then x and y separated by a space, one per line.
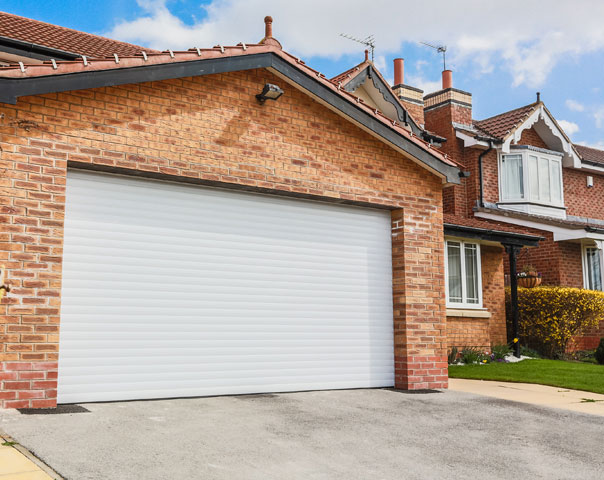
pixel 469 141
pixel 571 159
pixel 560 233
pixel 598 245
pixel 464 304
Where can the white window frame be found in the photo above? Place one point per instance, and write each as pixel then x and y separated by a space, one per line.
pixel 463 304
pixel 585 266
pixel 526 198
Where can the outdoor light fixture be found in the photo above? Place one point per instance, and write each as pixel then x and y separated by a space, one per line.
pixel 270 91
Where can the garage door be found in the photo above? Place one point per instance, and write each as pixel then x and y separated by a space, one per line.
pixel 173 291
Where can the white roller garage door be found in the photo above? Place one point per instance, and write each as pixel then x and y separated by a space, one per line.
pixel 172 290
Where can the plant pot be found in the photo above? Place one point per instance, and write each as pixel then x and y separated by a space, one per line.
pixel 529 281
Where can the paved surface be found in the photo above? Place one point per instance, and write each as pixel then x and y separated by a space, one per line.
pixel 354 434
pixel 555 397
pixel 16 466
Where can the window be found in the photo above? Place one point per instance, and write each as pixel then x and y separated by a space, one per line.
pixel 463 282
pixel 592 270
pixel 531 176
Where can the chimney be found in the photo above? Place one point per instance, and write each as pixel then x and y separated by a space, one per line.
pixel 447 79
pixel 446 107
pixel 399 71
pixel 410 97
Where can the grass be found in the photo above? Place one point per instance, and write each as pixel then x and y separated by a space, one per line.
pixel 556 373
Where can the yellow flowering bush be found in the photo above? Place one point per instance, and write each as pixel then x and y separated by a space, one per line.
pixel 551 316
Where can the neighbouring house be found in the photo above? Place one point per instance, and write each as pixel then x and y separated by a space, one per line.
pixel 474 248
pixel 526 174
pixel 217 221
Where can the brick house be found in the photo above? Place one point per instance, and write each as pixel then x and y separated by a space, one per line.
pixel 474 249
pixel 526 174
pixel 168 229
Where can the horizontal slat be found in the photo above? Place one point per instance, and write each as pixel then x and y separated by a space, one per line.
pixel 172 290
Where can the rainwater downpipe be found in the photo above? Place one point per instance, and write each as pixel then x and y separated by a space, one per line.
pixel 481 199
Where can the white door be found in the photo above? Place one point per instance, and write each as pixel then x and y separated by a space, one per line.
pixel 172 290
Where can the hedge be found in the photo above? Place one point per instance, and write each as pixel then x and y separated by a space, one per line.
pixel 551 316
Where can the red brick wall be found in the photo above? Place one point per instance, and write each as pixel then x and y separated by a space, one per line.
pixel 208 128
pixel 531 137
pixel 483 332
pixel 581 200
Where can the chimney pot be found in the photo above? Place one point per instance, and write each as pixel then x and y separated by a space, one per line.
pixel 447 79
pixel 268 26
pixel 399 71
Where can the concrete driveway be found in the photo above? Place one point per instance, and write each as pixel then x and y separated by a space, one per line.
pixel 354 434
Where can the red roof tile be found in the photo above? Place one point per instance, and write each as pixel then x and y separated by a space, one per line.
pixel 349 74
pixel 473 222
pixel 61 38
pixel 590 154
pixel 501 125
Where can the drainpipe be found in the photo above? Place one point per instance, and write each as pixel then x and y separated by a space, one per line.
pixel 512 251
pixel 481 200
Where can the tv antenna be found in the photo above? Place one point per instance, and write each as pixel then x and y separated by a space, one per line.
pixel 440 49
pixel 368 42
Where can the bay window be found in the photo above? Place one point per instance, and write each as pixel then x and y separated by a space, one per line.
pixel 529 175
pixel 463 282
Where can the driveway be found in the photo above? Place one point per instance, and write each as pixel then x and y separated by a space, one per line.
pixel 353 434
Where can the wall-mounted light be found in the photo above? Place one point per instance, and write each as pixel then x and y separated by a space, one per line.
pixel 270 92
pixel 590 181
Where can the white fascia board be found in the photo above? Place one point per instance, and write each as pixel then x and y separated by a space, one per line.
pixel 469 141
pixel 571 159
pixel 560 233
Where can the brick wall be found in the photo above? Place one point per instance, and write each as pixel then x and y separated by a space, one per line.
pixel 207 128
pixel 531 137
pixel 581 200
pixel 483 332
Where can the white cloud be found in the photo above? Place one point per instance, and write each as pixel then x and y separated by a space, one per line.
pixel 574 105
pixel 599 117
pixel 570 128
pixel 597 145
pixel 523 37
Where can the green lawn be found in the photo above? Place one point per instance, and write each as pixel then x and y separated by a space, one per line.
pixel 575 375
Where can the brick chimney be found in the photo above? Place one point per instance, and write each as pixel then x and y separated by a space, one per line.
pixel 410 97
pixel 442 110
pixel 447 106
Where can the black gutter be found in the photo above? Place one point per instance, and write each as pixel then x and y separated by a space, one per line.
pixel 480 176
pixel 33 50
pixel 505 238
pixel 13 88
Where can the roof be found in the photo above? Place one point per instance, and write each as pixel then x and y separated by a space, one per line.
pixel 59 76
pixel 589 154
pixel 578 224
pixel 500 126
pixel 487 230
pixel 349 74
pixel 64 39
pixel 352 78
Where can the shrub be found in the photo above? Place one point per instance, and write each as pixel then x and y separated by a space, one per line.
pixel 600 352
pixel 501 351
pixel 452 357
pixel 551 316
pixel 470 355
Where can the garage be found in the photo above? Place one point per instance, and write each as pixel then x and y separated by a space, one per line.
pixel 174 290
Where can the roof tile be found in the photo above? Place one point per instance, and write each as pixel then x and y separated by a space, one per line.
pixel 65 39
pixel 501 125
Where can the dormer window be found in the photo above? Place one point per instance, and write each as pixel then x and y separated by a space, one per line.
pixel 531 181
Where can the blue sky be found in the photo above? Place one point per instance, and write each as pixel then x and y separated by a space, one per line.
pixel 502 54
